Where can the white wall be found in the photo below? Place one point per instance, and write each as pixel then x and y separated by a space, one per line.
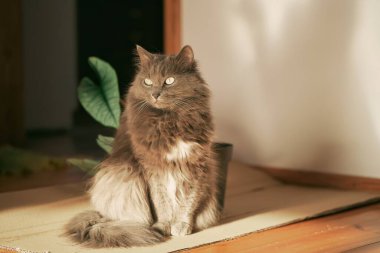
pixel 296 83
pixel 49 45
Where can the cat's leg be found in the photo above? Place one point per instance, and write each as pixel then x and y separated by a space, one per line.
pixel 163 207
pixel 175 202
pixel 183 217
pixel 199 208
pixel 209 211
pixel 209 214
pixel 120 193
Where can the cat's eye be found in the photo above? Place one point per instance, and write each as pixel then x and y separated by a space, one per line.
pixel 148 82
pixel 169 80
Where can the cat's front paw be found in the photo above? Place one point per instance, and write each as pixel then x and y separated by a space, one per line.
pixel 181 229
pixel 162 227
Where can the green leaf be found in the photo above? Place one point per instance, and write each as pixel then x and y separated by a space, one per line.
pixel 101 101
pixel 105 142
pixel 87 165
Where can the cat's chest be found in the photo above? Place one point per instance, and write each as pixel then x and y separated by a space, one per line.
pixel 166 141
pixel 181 150
pixel 162 129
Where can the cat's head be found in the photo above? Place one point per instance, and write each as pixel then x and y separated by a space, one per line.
pixel 168 82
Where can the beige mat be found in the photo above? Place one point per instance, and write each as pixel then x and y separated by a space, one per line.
pixel 33 219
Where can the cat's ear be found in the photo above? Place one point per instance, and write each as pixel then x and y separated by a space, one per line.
pixel 144 55
pixel 186 55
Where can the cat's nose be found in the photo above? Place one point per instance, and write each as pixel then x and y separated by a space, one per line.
pixel 155 95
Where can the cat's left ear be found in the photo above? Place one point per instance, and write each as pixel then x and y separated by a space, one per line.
pixel 144 55
pixel 186 55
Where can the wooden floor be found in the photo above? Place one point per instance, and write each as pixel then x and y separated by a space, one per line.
pixel 357 230
pixel 352 231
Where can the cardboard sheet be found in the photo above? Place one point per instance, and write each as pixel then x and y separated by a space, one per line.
pixel 33 219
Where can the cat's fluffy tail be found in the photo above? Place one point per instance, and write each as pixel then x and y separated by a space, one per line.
pixel 91 229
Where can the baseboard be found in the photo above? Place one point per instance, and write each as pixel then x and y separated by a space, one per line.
pixel 312 178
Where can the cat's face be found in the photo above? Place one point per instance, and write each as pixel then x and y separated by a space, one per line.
pixel 167 82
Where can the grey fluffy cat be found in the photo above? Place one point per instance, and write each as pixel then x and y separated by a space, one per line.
pixel 161 178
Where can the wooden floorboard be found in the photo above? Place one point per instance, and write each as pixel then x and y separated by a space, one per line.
pixel 357 230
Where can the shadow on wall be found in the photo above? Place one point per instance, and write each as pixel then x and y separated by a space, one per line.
pixel 299 98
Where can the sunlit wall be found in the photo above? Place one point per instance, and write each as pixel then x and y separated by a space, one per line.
pixel 296 84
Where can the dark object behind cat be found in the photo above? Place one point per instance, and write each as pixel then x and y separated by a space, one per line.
pixel 161 177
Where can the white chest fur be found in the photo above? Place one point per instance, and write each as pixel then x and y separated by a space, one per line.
pixel 180 151
pixel 172 190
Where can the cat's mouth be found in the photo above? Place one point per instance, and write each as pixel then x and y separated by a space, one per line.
pixel 157 103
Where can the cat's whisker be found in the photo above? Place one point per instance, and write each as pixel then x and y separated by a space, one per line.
pixel 183 105
pixel 139 103
pixel 181 102
pixel 142 106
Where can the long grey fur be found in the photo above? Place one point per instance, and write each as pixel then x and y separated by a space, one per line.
pixel 91 229
pixel 160 179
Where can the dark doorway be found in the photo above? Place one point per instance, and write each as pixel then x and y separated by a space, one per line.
pixel 110 30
